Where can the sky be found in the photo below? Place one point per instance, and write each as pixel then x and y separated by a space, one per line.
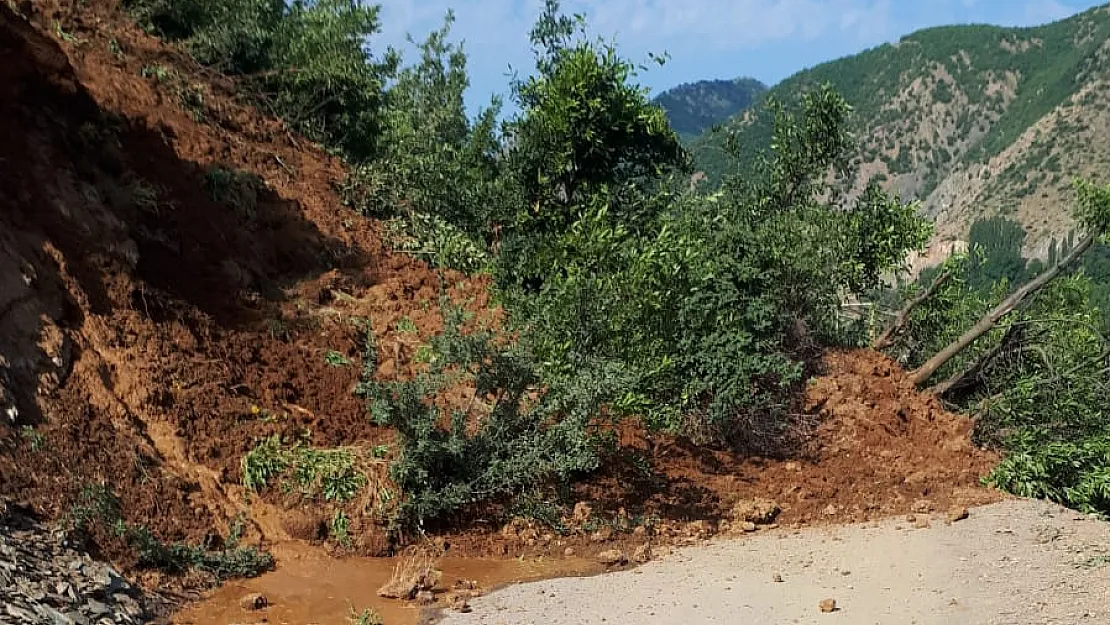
pixel 706 39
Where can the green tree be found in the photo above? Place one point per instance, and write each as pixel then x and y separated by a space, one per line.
pixel 584 132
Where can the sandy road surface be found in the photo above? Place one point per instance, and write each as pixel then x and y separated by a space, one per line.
pixel 1015 563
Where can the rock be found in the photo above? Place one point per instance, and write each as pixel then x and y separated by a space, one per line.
pixel 642 554
pixel 602 535
pixel 697 528
pixel 253 601
pixel 957 513
pixel 830 510
pixel 407 582
pixel 758 511
pixel 612 557
pixel 921 522
pixel 748 526
pixel 19 613
pixel 43 579
pixel 582 513
pixel 922 506
pixel 97 608
pixel 568 552
pixel 827 605
pixel 458 603
pixel 425 597
pixel 777 578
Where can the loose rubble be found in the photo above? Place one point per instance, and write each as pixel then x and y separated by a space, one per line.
pixel 44 579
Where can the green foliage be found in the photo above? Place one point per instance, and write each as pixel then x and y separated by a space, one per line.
pixel 98 508
pixel 330 474
pixel 583 130
pixel 693 108
pixel 437 174
pixel 335 359
pixel 366 617
pixel 1041 383
pixel 236 189
pixel 709 308
pixel 999 241
pixel 308 60
pixel 36 441
pixel 1049 63
pixel 515 436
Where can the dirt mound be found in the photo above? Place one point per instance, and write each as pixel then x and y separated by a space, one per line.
pixel 881 448
pixel 174 272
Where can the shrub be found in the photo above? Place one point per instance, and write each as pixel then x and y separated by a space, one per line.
pixel 97 509
pixel 514 435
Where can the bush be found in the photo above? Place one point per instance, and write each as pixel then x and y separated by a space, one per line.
pixel 308 59
pixel 97 509
pixel 514 436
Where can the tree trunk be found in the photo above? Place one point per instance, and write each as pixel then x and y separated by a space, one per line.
pixel 886 339
pixel 926 371
pixel 968 377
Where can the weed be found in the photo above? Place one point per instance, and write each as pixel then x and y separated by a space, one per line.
pixel 279 330
pixel 1094 562
pixel 340 526
pixel 331 474
pixel 192 100
pixel 366 617
pixel 115 49
pixel 158 72
pixel 424 354
pixel 34 438
pixel 235 189
pixel 405 325
pixel 98 507
pixel 64 35
pixel 263 463
pixel 146 196
pixel 335 359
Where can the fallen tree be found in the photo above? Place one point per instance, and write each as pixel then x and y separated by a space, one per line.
pixel 1093 212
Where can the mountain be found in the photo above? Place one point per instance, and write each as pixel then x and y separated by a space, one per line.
pixel 975 121
pixel 695 107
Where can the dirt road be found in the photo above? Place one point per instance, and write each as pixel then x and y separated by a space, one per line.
pixel 1015 563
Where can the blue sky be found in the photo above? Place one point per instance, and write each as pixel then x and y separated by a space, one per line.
pixel 765 39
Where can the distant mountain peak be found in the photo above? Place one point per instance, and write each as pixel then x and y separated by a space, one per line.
pixel 695 107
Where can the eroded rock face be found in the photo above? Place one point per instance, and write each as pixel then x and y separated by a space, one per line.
pixel 44 579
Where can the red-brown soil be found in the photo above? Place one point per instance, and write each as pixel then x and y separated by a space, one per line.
pixel 137 334
pixel 140 336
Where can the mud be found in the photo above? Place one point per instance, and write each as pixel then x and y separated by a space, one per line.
pixel 309 587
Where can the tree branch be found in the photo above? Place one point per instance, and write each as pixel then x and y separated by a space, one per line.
pixel 886 339
pixel 926 371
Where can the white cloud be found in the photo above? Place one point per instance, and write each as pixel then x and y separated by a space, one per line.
pixel 721 25
pixel 496 31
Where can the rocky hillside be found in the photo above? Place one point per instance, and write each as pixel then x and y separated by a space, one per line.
pixel 975 121
pixel 696 107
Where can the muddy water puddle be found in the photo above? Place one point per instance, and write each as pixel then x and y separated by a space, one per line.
pixel 310 587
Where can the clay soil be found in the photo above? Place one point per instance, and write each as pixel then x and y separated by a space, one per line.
pixel 152 335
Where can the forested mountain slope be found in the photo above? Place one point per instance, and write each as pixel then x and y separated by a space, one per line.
pixel 976 121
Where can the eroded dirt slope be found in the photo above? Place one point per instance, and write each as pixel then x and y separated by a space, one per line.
pixel 140 318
